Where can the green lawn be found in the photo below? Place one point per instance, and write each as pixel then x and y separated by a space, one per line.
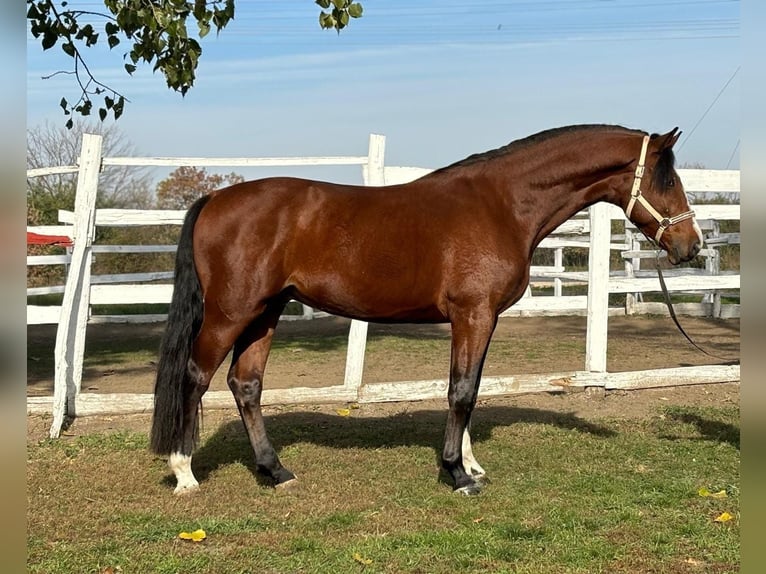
pixel 567 495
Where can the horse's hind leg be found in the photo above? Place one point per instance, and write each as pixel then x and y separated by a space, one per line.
pixel 212 344
pixel 245 379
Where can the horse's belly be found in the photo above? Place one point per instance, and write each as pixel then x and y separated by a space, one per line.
pixel 375 304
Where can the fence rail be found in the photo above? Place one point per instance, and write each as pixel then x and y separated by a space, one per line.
pixel 590 230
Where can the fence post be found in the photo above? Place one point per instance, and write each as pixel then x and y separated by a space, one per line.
pixel 630 266
pixel 598 288
pixel 713 267
pixel 70 335
pixel 357 335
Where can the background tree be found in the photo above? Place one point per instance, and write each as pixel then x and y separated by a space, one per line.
pixel 157 32
pixel 186 184
pixel 119 186
pixel 49 145
pixel 124 187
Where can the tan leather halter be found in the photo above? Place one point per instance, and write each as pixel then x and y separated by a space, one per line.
pixel 637 196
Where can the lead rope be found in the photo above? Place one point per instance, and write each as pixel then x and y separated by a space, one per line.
pixel 664 222
pixel 673 313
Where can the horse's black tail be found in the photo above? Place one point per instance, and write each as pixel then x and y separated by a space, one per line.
pixel 184 319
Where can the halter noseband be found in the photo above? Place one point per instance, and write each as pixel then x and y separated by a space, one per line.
pixel 636 196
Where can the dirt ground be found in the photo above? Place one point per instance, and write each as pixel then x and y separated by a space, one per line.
pixel 587 406
pixel 121 358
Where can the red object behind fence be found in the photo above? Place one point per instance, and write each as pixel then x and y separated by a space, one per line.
pixel 39 239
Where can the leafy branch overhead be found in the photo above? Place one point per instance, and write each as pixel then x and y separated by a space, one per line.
pixel 338 17
pixel 156 32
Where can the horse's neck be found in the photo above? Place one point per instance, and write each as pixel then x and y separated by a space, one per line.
pixel 560 182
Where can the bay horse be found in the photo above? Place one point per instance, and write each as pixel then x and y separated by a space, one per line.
pixel 451 247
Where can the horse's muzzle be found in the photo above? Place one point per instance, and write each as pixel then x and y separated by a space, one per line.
pixel 678 255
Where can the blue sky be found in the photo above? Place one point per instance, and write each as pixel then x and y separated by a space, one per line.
pixel 441 79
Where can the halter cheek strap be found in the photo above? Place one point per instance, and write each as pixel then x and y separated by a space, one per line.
pixel 637 196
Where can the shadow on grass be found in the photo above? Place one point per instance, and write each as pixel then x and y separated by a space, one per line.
pixel 709 429
pixel 423 428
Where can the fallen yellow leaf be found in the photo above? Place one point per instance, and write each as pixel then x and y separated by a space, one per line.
pixel 359 558
pixel 343 412
pixel 724 517
pixel 196 536
pixel 705 492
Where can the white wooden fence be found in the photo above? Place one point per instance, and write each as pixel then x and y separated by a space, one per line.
pixel 591 230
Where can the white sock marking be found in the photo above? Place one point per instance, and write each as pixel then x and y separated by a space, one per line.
pixel 180 464
pixel 470 465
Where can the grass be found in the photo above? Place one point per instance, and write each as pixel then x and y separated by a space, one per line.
pixel 568 496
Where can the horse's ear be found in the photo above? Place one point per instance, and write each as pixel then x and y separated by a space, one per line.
pixel 668 140
pixel 674 135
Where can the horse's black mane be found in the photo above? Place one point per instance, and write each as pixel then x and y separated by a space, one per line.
pixel 662 170
pixel 531 140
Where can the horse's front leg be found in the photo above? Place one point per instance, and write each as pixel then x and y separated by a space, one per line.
pixel 470 339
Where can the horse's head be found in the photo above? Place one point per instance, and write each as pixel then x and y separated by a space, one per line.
pixel 658 205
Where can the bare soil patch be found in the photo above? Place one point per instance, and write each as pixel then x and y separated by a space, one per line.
pixel 625 405
pixel 121 358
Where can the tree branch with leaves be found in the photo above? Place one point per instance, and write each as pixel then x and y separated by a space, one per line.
pixel 158 33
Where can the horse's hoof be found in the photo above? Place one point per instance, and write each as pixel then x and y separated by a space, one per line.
pixel 469 489
pixel 288 486
pixel 184 489
pixel 481 479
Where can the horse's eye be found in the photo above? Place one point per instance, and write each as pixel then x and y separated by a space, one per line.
pixel 672 182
